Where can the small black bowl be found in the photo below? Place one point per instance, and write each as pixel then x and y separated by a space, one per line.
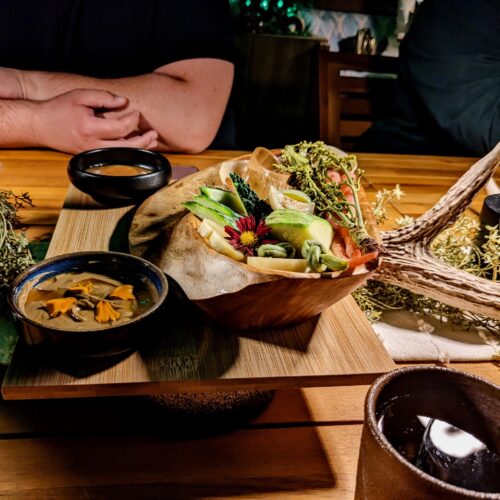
pixel 119 190
pixel 109 341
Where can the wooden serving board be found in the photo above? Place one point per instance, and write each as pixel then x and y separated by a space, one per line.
pixel 186 355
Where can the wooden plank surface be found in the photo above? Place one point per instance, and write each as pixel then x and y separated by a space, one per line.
pixel 424 178
pixel 43 440
pixel 292 407
pixel 267 462
pixel 338 349
pixel 304 445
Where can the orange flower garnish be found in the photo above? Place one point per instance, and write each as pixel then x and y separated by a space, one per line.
pixel 82 287
pixel 105 312
pixel 124 292
pixel 59 306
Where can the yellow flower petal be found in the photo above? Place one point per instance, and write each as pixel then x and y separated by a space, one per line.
pixel 59 306
pixel 105 312
pixel 124 292
pixel 82 287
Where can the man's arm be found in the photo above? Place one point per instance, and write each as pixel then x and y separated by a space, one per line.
pixel 17 123
pixel 183 101
pixel 68 123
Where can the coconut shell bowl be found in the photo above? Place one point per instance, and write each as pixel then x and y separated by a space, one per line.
pixel 231 294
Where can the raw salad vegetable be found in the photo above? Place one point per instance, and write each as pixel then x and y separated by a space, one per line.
pixel 275 233
pixel 332 182
pixel 253 204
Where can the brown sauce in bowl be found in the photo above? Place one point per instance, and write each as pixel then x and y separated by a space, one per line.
pixel 118 170
pixel 83 313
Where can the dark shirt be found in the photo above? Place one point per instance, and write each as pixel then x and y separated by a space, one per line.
pixel 116 38
pixel 448 95
pixel 111 38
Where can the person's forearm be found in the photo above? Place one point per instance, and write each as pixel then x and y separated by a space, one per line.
pixel 68 123
pixel 182 112
pixel 18 123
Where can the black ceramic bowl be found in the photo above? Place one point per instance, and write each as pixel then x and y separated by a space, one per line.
pixel 119 190
pixel 109 341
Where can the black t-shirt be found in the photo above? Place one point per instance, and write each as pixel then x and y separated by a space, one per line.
pixel 448 96
pixel 111 38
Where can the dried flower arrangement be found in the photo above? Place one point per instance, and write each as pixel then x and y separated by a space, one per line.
pixel 458 246
pixel 15 255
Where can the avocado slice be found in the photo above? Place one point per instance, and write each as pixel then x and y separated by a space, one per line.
pixel 214 205
pixel 225 197
pixel 296 227
pixel 204 212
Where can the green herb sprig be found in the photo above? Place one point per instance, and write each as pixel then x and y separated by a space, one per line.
pixel 375 297
pixel 309 164
pixel 458 247
pixel 15 255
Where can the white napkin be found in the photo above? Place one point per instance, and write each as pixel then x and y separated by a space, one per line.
pixel 408 337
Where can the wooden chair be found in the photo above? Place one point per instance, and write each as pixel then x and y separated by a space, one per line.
pixel 349 105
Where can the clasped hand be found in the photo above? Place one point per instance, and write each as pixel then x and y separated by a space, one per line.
pixel 69 123
pixel 75 122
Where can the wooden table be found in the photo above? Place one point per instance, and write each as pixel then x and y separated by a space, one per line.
pixel 305 444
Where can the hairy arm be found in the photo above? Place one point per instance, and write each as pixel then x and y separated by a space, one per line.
pixel 68 123
pixel 17 123
pixel 183 101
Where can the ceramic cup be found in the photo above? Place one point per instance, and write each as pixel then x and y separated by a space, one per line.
pixel 465 401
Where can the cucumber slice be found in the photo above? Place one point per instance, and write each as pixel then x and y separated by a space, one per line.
pixel 225 197
pixel 204 212
pixel 214 205
pixel 239 205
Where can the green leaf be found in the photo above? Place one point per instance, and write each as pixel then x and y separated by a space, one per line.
pixel 252 203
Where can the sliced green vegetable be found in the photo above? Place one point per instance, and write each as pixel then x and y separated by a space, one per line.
pixel 297 227
pixel 283 250
pixel 279 201
pixel 319 259
pixel 225 197
pixel 252 203
pixel 297 195
pixel 214 205
pixel 215 227
pixel 204 212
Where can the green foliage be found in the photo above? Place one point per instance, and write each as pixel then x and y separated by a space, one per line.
pixel 375 297
pixel 253 204
pixel 311 165
pixel 270 16
pixel 15 255
pixel 459 246
pixel 382 198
